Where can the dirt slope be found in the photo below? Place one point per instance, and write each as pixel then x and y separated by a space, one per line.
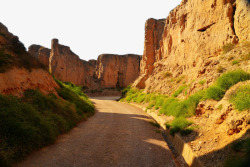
pixel 118 135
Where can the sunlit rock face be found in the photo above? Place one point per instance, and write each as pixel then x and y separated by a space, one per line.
pixel 108 71
pixel 67 66
pixel 117 70
pixel 193 36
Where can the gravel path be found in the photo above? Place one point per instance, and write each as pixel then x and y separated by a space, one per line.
pixel 117 135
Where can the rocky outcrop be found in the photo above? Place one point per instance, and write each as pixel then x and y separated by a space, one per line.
pixel 41 53
pixel 17 80
pixel 67 66
pixel 117 71
pixel 23 72
pixel 153 35
pixel 108 71
pixel 194 35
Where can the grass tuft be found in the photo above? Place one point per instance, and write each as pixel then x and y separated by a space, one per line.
pixel 241 98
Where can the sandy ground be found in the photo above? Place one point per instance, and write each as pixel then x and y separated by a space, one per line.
pixel 117 135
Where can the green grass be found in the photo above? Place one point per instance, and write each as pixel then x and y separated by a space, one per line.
pixel 229 79
pixel 184 108
pixel 35 120
pixel 179 90
pixel 159 101
pixel 180 124
pixel 241 98
pixel 214 92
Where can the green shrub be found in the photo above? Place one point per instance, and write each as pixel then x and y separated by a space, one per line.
pixel 226 48
pixel 241 98
pixel 141 97
pixel 179 90
pixel 35 120
pixel 179 124
pixel 214 92
pixel 151 104
pixel 159 101
pixel 231 78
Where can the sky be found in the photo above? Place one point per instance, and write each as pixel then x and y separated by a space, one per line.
pixel 88 27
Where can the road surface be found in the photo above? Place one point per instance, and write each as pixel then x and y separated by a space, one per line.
pixel 118 135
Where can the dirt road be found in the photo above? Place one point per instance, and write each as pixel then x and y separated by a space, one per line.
pixel 117 135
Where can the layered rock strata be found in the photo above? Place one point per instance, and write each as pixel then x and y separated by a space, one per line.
pixel 108 71
pixel 194 35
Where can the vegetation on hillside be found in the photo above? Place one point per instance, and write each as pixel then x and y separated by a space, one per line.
pixel 35 120
pixel 14 54
pixel 187 107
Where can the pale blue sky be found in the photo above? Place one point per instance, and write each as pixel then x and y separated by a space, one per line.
pixel 90 28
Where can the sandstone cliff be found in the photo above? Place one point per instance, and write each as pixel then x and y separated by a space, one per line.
pixel 117 71
pixel 108 71
pixel 194 35
pixel 18 70
pixel 67 66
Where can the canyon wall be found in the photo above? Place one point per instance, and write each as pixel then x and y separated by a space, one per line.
pixel 67 66
pixel 194 35
pixel 19 71
pixel 117 71
pixel 108 71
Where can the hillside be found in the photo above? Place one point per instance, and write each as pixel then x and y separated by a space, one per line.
pixel 35 108
pixel 194 79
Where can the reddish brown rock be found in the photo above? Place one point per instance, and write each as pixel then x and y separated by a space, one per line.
pixel 195 33
pixel 117 71
pixel 153 35
pixel 67 66
pixel 18 78
pixel 109 71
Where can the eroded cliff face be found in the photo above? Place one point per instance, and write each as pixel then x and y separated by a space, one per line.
pixel 153 35
pixel 193 37
pixel 117 71
pixel 108 71
pixel 67 66
pixel 21 71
